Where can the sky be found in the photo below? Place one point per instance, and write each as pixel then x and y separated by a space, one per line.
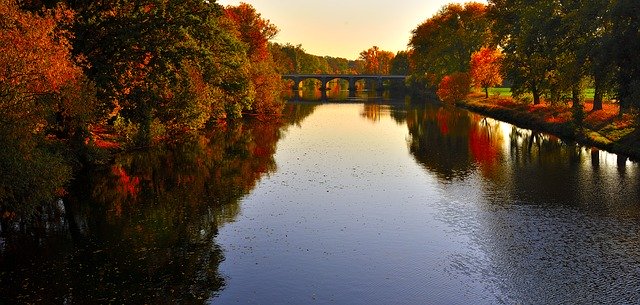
pixel 344 28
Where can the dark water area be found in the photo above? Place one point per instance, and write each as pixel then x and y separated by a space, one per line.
pixel 350 199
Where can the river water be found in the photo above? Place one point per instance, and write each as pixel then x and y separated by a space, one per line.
pixel 359 202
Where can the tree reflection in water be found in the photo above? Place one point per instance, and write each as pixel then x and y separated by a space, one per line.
pixel 142 230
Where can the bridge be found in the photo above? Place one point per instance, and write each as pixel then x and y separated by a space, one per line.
pixel 351 78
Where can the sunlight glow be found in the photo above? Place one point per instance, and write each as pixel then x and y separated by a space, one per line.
pixel 345 28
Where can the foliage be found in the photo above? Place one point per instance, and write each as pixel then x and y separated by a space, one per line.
pixel 254 31
pixel 625 31
pixel 43 96
pixel 400 63
pixel 486 69
pixel 553 47
pixel 454 88
pixel 376 61
pixel 443 44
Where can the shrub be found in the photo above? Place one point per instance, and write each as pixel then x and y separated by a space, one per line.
pixel 454 88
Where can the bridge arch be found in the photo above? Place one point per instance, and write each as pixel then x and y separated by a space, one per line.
pixel 351 78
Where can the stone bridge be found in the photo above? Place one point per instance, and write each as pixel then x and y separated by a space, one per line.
pixel 351 78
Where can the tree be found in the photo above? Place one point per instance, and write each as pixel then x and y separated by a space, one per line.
pixel 164 66
pixel 376 61
pixel 37 72
pixel 528 34
pixel 255 32
pixel 443 44
pixel 400 63
pixel 626 43
pixel 486 68
pixel 454 88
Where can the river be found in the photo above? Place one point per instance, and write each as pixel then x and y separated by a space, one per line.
pixel 364 201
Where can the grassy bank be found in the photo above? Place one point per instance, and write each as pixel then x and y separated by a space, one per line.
pixel 604 129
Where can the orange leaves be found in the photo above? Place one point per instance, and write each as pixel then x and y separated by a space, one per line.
pixel 35 55
pixel 454 88
pixel 377 61
pixel 486 68
pixel 252 29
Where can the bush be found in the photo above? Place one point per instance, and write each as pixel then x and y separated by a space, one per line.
pixel 454 88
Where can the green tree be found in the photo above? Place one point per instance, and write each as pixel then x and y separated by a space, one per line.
pixel 163 65
pixel 626 43
pixel 528 33
pixel 443 44
pixel 400 63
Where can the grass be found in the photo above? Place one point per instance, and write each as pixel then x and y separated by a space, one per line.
pixel 505 92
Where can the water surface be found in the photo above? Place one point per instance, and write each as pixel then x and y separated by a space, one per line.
pixel 341 203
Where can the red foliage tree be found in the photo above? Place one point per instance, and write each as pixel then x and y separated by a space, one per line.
pixel 454 88
pixel 486 68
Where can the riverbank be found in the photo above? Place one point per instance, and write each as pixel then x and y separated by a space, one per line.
pixel 603 129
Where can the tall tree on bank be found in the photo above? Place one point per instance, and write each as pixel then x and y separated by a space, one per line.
pixel 443 44
pixel 528 33
pixel 626 42
pixel 486 68
pixel 255 32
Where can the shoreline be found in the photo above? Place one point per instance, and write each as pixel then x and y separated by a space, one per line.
pixel 604 129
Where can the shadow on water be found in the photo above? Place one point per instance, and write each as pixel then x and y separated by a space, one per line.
pixel 142 229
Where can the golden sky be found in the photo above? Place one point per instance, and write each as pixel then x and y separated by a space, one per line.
pixel 344 28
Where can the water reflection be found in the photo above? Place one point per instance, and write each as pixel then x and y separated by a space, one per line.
pixel 517 163
pixel 141 230
pixel 547 221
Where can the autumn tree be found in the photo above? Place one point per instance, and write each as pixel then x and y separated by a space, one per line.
pixel 486 69
pixel 454 88
pixel 443 44
pixel 376 61
pixel 255 32
pixel 37 80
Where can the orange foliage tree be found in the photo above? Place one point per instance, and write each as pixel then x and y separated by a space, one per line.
pixel 35 59
pixel 255 32
pixel 376 61
pixel 454 88
pixel 36 69
pixel 486 69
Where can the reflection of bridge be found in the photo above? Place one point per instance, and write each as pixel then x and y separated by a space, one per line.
pixel 351 78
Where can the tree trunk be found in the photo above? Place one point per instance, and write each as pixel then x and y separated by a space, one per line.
pixel 575 97
pixel 597 97
pixel 536 97
pixel 486 92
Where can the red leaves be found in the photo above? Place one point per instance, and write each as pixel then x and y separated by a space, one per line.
pixel 454 87
pixel 252 29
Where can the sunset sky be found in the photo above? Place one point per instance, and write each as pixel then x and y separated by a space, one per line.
pixel 343 28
